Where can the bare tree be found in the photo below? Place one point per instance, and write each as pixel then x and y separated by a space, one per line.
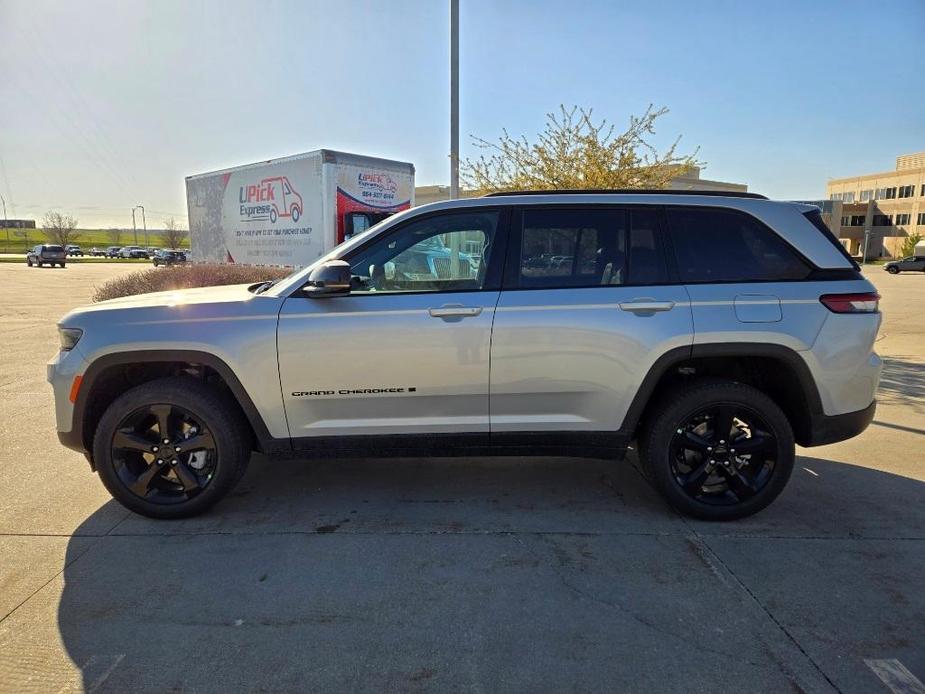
pixel 114 236
pixel 60 228
pixel 173 235
pixel 575 152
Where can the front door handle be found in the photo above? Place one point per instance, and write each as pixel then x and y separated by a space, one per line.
pixel 455 311
pixel 646 306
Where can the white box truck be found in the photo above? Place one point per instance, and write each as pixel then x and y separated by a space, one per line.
pixel 292 210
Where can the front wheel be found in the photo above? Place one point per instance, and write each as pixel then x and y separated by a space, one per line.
pixel 893 270
pixel 718 451
pixel 170 448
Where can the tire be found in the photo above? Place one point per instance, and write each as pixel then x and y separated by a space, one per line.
pixel 893 270
pixel 219 419
pixel 29 262
pixel 735 486
pixel 273 216
pixel 295 213
pixel 63 265
pixel 38 263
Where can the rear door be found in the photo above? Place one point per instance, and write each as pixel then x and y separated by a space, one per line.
pixel 587 306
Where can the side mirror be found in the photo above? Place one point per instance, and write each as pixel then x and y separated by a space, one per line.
pixel 329 279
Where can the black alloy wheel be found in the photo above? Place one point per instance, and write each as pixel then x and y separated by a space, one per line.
pixel 723 454
pixel 163 454
pixel 717 450
pixel 172 447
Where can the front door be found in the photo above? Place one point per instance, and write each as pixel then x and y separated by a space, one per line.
pixel 407 351
pixel 585 310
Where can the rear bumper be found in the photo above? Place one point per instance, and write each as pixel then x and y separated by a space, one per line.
pixel 833 428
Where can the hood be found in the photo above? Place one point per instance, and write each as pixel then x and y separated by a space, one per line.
pixel 177 297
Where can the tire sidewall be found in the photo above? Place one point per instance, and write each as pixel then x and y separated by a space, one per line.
pixel 205 406
pixel 658 438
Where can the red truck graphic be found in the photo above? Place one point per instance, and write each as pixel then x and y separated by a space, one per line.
pixel 271 199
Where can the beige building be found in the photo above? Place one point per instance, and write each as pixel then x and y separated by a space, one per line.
pixel 890 205
pixel 690 181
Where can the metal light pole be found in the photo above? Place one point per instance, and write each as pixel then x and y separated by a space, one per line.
pixel 454 99
pixel 6 224
pixel 144 224
pixel 134 228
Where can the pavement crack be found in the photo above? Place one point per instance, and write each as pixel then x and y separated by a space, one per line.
pixel 710 552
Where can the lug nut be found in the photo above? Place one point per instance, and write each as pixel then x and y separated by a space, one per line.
pixel 680 431
pixel 177 449
pixel 721 441
pixel 726 463
pixel 173 462
pixel 709 448
pixel 166 441
pixel 154 449
pixel 160 461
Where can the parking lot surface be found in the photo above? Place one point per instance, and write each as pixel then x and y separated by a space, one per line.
pixel 509 574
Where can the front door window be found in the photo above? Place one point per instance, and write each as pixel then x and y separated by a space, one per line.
pixel 447 253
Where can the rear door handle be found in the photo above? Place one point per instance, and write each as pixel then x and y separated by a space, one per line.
pixel 646 306
pixel 455 311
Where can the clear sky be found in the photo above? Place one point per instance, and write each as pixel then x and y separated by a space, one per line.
pixel 105 105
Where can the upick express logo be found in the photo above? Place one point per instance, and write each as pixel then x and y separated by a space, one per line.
pixel 270 199
pixel 377 181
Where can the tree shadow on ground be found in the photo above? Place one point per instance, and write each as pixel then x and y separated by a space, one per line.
pixel 903 383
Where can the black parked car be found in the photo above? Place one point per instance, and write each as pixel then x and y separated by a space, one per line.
pixel 914 263
pixel 168 257
pixel 46 254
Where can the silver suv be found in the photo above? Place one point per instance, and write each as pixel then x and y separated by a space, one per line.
pixel 715 330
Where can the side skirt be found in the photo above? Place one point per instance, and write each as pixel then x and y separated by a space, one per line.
pixel 592 444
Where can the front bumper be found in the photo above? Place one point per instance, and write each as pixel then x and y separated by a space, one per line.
pixel 833 428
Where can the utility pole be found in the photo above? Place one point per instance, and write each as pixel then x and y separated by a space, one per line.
pixel 454 99
pixel 144 224
pixel 6 224
pixel 134 228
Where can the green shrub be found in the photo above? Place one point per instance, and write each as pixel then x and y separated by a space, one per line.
pixel 184 277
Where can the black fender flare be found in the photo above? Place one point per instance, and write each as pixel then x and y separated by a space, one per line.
pixel 76 439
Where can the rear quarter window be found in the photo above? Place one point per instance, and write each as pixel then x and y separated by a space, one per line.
pixel 722 245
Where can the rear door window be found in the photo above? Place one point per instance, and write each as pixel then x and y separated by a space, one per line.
pixel 723 245
pixel 562 248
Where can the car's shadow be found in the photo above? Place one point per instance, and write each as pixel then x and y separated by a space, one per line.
pixel 411 574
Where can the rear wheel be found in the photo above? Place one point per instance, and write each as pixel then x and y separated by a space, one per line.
pixel 893 270
pixel 29 262
pixel 170 448
pixel 718 451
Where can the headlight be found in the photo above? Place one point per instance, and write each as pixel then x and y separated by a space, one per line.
pixel 69 338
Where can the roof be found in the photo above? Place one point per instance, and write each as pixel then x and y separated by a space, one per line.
pixel 326 155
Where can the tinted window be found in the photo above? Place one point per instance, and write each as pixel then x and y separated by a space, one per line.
pixel 646 261
pixel 716 245
pixel 572 248
pixel 441 253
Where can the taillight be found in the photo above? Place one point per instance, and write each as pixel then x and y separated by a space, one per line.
pixel 868 302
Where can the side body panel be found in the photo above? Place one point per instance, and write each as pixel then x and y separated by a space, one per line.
pixel 572 359
pixel 838 348
pixel 383 364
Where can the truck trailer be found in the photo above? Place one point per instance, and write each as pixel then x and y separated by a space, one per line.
pixel 292 210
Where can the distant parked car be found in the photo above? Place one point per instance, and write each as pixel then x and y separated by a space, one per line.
pixel 152 251
pixel 168 257
pixel 96 251
pixel 914 263
pixel 113 251
pixel 73 249
pixel 46 254
pixel 133 252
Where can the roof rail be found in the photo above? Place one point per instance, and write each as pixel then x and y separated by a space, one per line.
pixel 631 191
